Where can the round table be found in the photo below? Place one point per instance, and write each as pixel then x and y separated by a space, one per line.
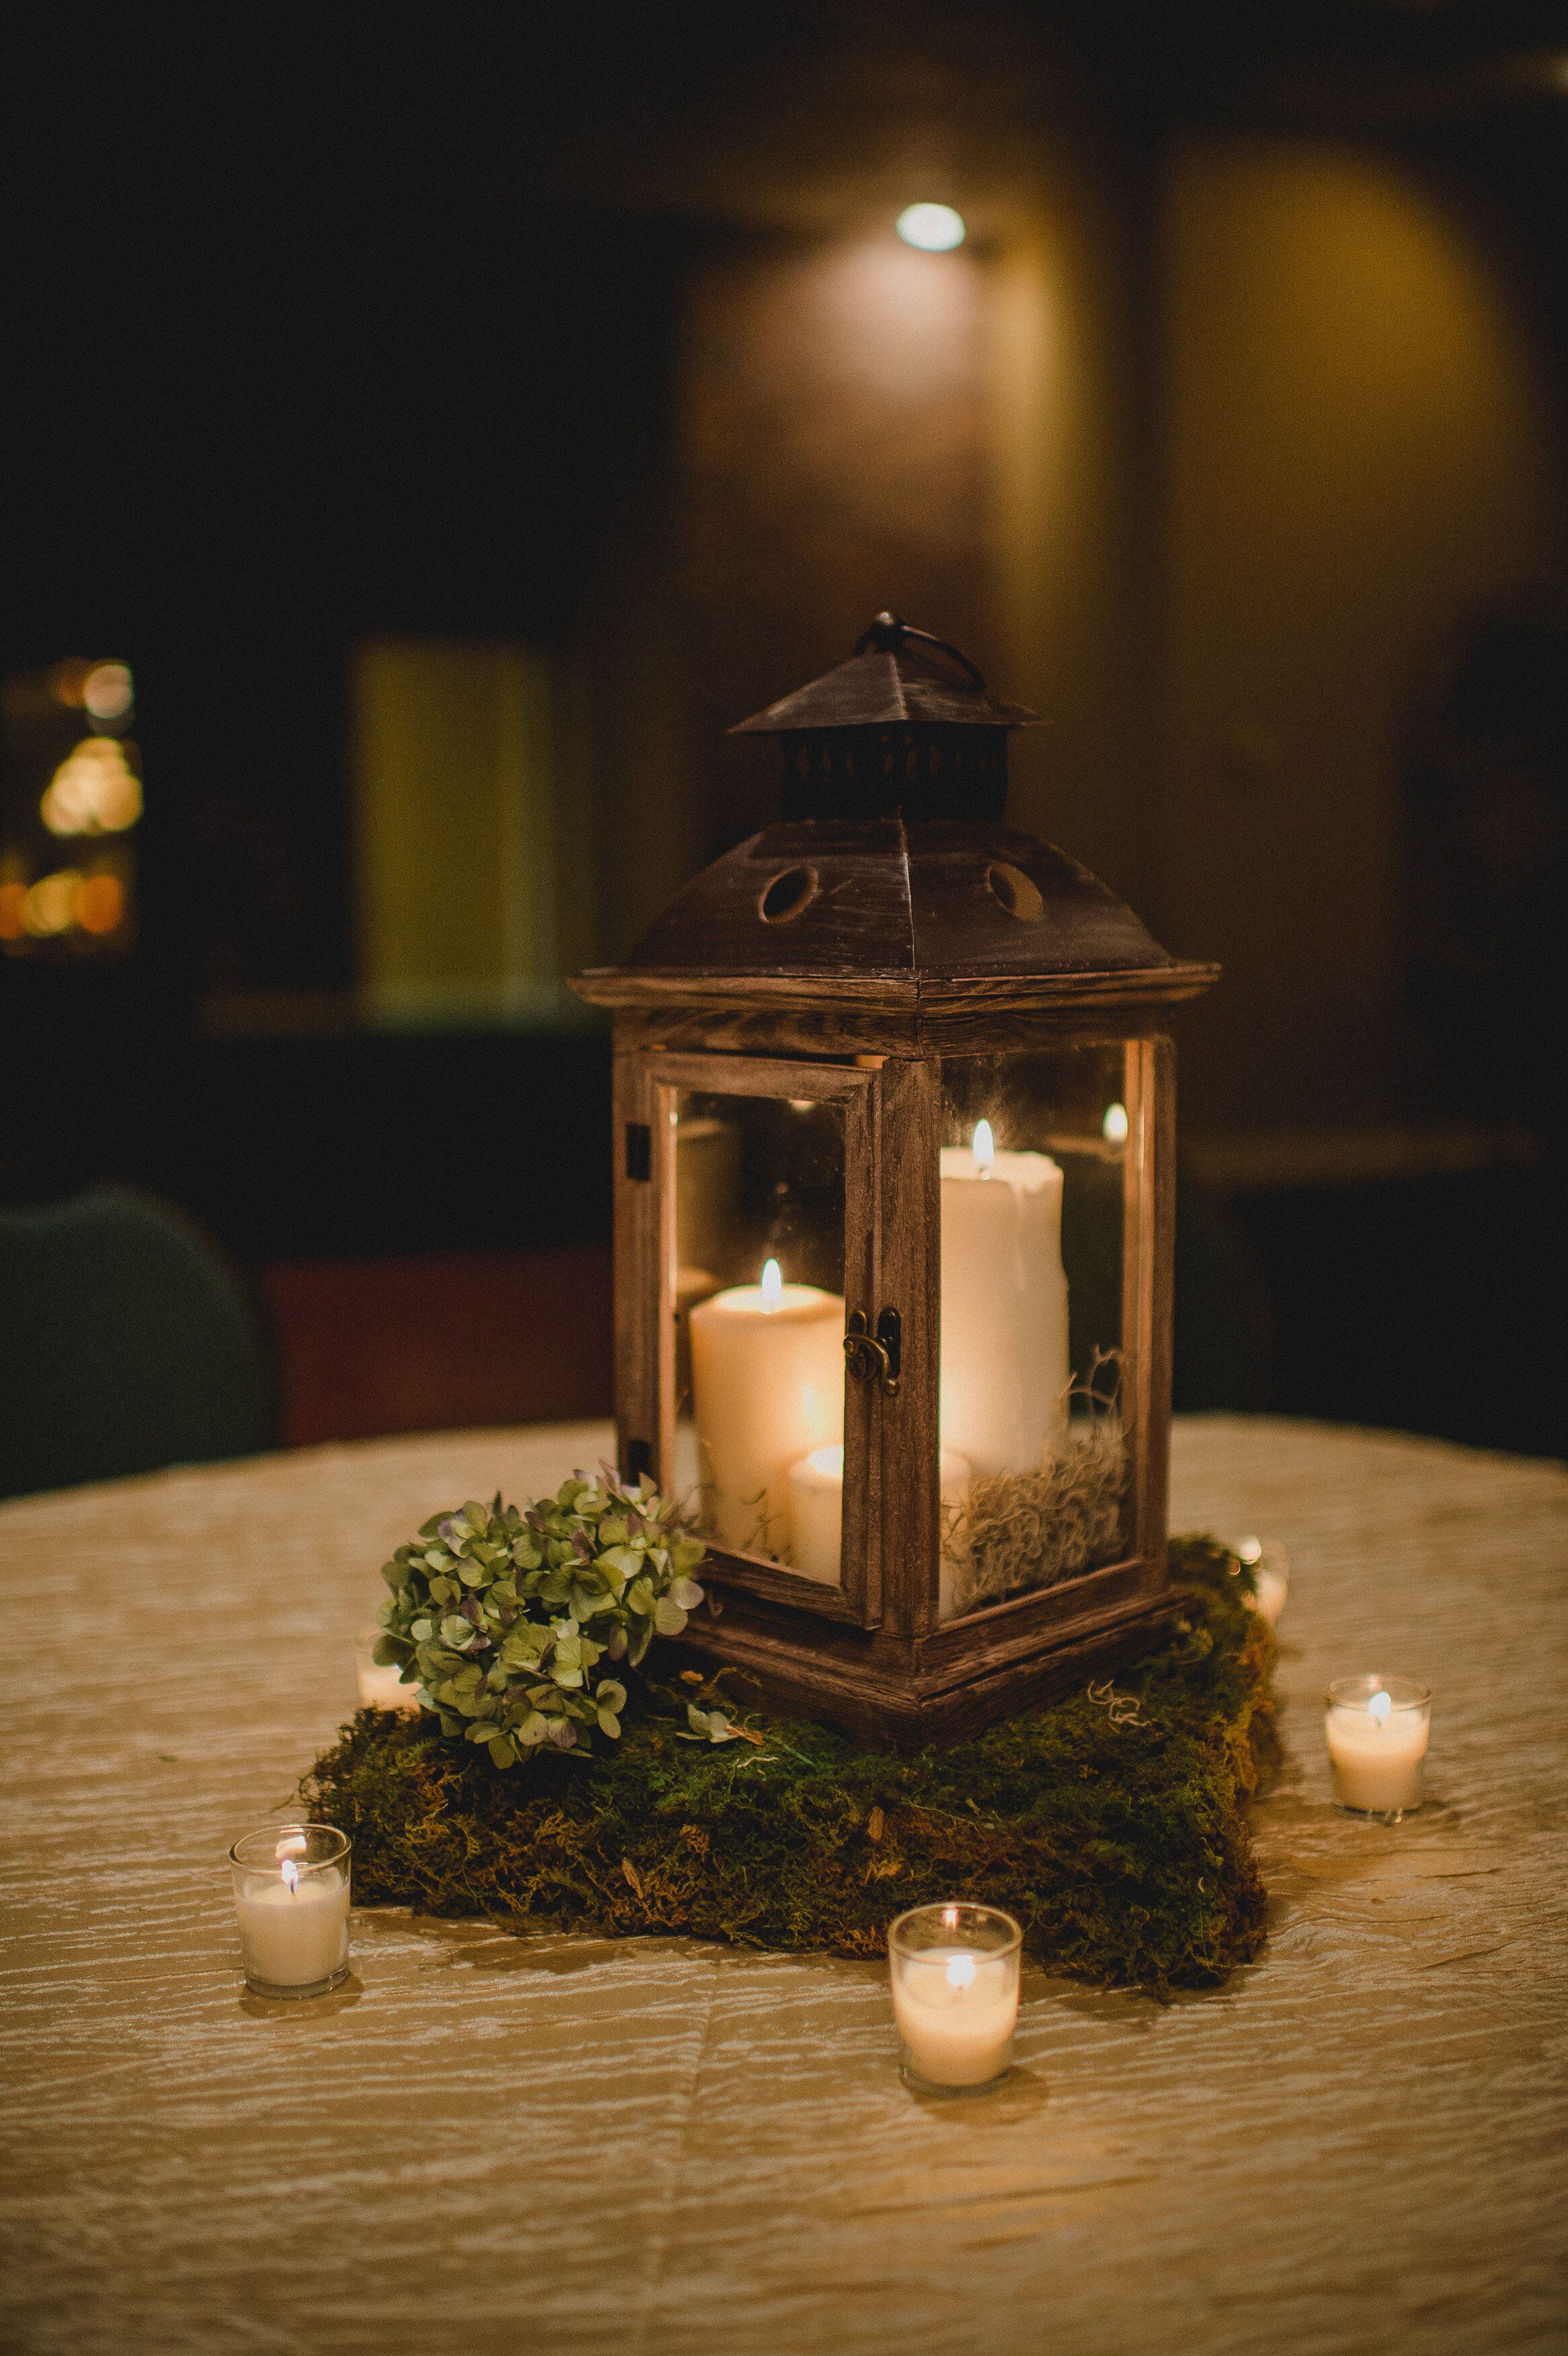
pixel 486 2143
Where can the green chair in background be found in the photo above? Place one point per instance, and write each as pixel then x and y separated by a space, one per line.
pixel 126 1343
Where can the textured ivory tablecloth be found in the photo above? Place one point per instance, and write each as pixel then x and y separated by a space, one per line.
pixel 485 2143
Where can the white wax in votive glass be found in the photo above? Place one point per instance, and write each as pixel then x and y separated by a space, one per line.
pixel 955 1973
pixel 381 1686
pixel 1376 1730
pixel 1270 1566
pixel 291 1899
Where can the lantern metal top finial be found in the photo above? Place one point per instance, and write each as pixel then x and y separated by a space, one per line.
pixel 898 676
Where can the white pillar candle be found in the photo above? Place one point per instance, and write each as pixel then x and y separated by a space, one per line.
pixel 767 1379
pixel 294 1924
pixel 956 2011
pixel 1378 1731
pixel 816 1514
pixel 1005 1364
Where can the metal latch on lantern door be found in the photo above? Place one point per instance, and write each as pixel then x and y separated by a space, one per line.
pixel 876 1357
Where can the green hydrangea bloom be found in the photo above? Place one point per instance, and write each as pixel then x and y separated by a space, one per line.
pixel 506 1619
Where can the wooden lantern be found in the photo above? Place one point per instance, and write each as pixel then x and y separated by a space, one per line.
pixel 894 1140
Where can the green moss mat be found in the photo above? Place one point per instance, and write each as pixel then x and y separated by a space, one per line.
pixel 1118 1838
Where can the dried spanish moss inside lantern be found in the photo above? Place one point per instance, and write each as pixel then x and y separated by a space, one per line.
pixel 893 1135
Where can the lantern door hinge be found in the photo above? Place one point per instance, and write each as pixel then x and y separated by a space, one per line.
pixel 876 1357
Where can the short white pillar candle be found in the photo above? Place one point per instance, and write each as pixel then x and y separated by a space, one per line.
pixel 955 1973
pixel 291 1896
pixel 816 1514
pixel 1376 1730
pixel 767 1374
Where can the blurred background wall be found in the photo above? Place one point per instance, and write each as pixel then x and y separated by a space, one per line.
pixel 452 432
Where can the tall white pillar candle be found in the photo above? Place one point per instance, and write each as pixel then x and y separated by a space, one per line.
pixel 767 1379
pixel 1005 1365
pixel 817 1512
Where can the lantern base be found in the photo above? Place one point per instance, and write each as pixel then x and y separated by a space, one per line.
pixel 879 1705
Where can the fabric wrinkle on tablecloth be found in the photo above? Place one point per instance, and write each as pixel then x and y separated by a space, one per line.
pixel 633 2145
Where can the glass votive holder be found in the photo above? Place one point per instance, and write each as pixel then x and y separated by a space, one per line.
pixel 954 1972
pixel 1376 1730
pixel 1270 1566
pixel 291 1895
pixel 380 1683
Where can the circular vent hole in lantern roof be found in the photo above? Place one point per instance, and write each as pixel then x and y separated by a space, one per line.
pixel 787 894
pixel 1014 890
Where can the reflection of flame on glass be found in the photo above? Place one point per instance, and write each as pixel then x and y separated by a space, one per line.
pixel 94 790
pixel 985 1148
pixel 961 1971
pixel 1113 1127
pixel 773 1286
pixel 291 1873
pixel 1379 1707
pixel 949 1918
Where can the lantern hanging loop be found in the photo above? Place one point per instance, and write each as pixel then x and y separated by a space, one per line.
pixel 890 630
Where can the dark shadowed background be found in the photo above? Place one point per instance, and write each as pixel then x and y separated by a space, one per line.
pixel 455 426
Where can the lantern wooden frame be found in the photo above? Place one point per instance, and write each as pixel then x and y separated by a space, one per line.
pixel 715 1000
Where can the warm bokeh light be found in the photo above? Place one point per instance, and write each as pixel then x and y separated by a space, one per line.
pixel 107 690
pixel 94 790
pixel 49 905
pixel 100 904
pixel 935 228
pixel 13 899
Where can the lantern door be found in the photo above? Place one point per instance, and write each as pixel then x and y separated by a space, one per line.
pixel 1052 1394
pixel 745 1255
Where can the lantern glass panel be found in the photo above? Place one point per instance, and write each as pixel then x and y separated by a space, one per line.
pixel 757 1305
pixel 1038 1171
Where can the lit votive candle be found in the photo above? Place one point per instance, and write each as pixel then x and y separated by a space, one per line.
pixel 291 1895
pixel 381 1685
pixel 1270 1566
pixel 1377 1730
pixel 954 1972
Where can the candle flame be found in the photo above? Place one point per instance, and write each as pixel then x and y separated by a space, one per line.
pixel 985 1148
pixel 961 1971
pixel 291 1873
pixel 1113 1127
pixel 773 1286
pixel 1379 1707
pixel 1249 1550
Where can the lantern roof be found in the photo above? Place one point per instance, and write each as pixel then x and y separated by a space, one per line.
pixel 897 677
pixel 892 893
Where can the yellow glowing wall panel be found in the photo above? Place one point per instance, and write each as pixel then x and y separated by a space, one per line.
pixel 1360 458
pixel 457 839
